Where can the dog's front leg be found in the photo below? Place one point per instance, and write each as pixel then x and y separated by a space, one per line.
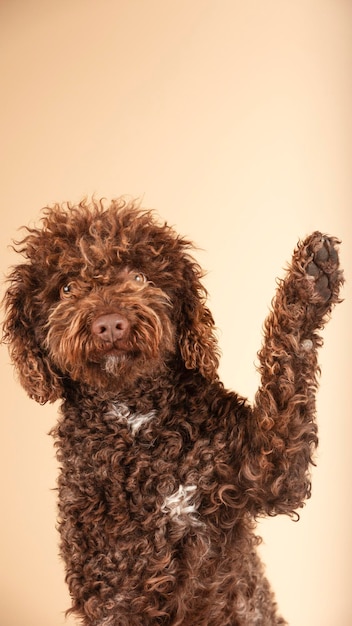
pixel 284 433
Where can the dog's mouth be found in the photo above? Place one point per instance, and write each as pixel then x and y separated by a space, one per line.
pixel 109 352
pixel 116 351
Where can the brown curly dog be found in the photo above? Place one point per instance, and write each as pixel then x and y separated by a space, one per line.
pixel 163 471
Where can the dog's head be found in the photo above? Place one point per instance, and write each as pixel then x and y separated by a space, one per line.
pixel 105 296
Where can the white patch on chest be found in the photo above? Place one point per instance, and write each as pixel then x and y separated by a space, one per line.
pixel 180 503
pixel 135 421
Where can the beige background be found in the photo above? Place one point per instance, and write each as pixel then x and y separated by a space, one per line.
pixel 233 120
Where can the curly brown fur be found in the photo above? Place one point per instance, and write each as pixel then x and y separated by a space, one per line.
pixel 163 471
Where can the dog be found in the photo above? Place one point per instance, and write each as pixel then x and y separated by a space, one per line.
pixel 163 471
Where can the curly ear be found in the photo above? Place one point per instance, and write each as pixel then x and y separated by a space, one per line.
pixel 35 372
pixel 197 341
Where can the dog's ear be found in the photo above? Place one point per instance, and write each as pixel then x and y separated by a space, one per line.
pixel 20 330
pixel 197 341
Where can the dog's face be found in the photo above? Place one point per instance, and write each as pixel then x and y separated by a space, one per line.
pixel 108 328
pixel 106 296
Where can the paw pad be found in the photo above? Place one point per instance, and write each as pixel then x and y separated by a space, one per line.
pixel 322 265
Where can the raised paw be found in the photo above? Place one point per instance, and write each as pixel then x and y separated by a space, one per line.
pixel 322 267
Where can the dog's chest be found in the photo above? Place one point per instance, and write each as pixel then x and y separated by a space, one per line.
pixel 138 469
pixel 155 471
pixel 143 471
pixel 134 420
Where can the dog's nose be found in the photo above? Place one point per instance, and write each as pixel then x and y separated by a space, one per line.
pixel 110 327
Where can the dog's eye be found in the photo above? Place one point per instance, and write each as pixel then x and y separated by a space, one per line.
pixel 138 277
pixel 66 290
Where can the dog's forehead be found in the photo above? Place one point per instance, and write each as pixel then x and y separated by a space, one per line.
pixel 76 240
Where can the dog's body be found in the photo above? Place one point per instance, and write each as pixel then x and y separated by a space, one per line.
pixel 163 471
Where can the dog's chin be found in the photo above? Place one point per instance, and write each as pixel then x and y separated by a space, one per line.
pixel 113 363
pixel 119 369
